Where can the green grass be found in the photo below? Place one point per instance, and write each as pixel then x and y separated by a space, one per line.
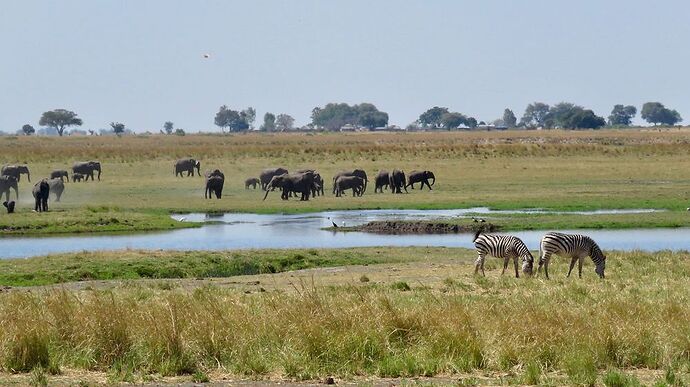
pixel 136 264
pixel 574 331
pixel 508 170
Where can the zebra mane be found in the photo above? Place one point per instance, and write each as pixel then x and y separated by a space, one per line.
pixel 476 234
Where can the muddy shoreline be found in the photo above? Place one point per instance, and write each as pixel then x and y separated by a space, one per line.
pixel 401 227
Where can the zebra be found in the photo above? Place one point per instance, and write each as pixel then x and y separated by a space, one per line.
pixel 575 246
pixel 502 246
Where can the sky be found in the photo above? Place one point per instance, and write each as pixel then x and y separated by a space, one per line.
pixel 141 62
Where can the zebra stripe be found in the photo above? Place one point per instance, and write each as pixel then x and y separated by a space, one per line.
pixel 502 246
pixel 573 246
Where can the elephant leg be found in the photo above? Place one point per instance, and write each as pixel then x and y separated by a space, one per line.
pixel 428 185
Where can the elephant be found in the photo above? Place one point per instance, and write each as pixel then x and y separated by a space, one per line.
pixel 252 181
pixel 187 165
pixel 9 205
pixel 86 168
pixel 317 189
pixel 57 187
pixel 267 174
pixel 421 177
pixel 77 177
pixel 397 181
pixel 214 184
pixel 41 191
pixel 7 182
pixel 355 183
pixel 301 183
pixel 59 173
pixel 16 171
pixel 382 180
pixel 355 172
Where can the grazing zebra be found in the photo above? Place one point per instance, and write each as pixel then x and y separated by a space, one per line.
pixel 575 246
pixel 502 246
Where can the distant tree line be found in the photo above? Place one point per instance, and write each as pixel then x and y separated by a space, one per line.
pixel 336 116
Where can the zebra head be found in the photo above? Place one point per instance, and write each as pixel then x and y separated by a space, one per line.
pixel 528 263
pixel 601 265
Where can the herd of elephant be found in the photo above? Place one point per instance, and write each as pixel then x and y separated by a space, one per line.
pixel 307 183
pixel 10 176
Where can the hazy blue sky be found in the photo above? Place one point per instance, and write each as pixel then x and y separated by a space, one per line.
pixel 141 62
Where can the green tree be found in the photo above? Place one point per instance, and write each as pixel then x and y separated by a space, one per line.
pixel 471 122
pixel 334 115
pixel 509 118
pixel 269 124
pixel 433 117
pixel 622 115
pixel 249 115
pixel 168 126
pixel 559 115
pixel 28 129
pixel 284 123
pixel 453 120
pixel 583 119
pixel 231 119
pixel 59 119
pixel 179 132
pixel 118 127
pixel 656 113
pixel 534 115
pixel 369 116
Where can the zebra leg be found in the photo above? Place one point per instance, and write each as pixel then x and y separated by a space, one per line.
pixel 505 264
pixel 579 266
pixel 479 263
pixel 545 261
pixel 572 265
pixel 515 261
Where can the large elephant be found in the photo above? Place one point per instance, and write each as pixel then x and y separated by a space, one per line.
pixel 251 182
pixel 421 177
pixel 86 168
pixel 397 181
pixel 59 173
pixel 187 165
pixel 7 182
pixel 268 174
pixel 355 172
pixel 301 183
pixel 214 184
pixel 57 187
pixel 355 183
pixel 16 171
pixel 382 180
pixel 41 191
pixel 317 189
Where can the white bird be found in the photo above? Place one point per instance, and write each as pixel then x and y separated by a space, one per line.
pixel 332 222
pixel 182 219
pixel 478 220
pixel 206 56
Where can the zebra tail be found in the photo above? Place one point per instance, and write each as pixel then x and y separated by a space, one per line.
pixel 476 234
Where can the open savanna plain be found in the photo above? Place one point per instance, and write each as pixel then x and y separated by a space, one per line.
pixel 559 170
pixel 370 316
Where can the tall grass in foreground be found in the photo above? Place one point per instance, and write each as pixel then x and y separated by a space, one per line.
pixel 638 318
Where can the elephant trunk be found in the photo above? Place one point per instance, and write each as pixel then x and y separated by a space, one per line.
pixel 267 191
pixel 99 173
pixel 433 179
pixel 28 175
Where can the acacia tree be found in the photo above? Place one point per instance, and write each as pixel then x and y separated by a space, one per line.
pixel 59 119
pixel 28 129
pixel 168 126
pixel 249 115
pixel 656 113
pixel 232 119
pixel 534 115
pixel 118 127
pixel 622 115
pixel 433 117
pixel 284 122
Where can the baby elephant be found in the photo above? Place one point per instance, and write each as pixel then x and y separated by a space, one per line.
pixel 252 181
pixel 77 177
pixel 9 205
pixel 41 191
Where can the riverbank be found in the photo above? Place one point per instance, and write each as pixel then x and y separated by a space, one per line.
pixel 556 170
pixel 416 312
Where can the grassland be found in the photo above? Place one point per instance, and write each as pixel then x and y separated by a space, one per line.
pixel 391 313
pixel 502 170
